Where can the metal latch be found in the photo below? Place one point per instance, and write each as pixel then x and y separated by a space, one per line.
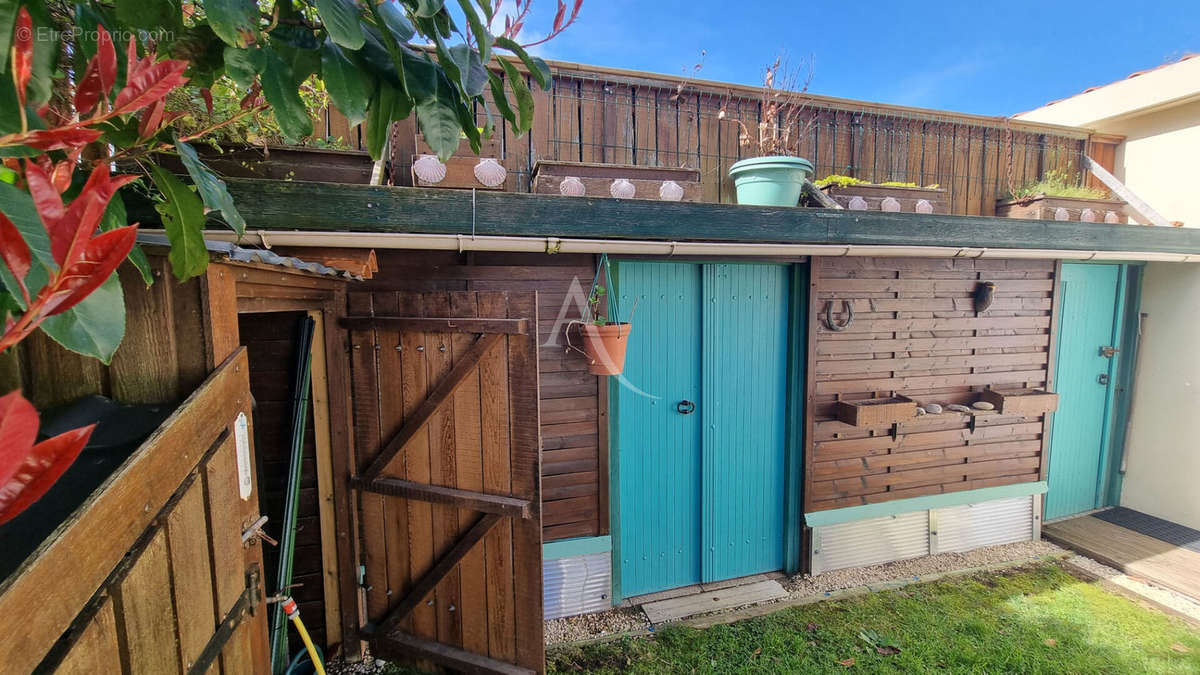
pixel 1108 352
pixel 255 532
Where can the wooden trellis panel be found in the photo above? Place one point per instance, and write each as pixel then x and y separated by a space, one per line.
pixel 915 332
pixel 446 413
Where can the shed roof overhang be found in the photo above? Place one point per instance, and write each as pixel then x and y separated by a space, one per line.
pixel 328 214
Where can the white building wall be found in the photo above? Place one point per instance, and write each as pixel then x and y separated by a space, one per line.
pixel 1159 115
pixel 1162 455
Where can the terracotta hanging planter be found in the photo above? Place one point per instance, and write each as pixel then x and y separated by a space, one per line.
pixel 605 346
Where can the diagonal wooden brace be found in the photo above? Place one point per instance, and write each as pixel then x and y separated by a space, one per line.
pixel 439 570
pixel 464 366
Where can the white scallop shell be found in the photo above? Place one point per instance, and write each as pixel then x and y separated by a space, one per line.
pixel 1112 217
pixel 490 173
pixel 429 169
pixel 1061 214
pixel 670 191
pixel 1087 216
pixel 890 204
pixel 572 187
pixel 857 204
pixel 923 206
pixel 622 189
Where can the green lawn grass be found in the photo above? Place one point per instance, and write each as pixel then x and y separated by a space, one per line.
pixel 1038 619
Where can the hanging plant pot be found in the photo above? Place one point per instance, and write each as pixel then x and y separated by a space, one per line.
pixel 770 181
pixel 605 347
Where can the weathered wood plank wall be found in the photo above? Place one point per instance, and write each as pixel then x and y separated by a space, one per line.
pixel 572 470
pixel 915 333
pixel 161 359
pixel 593 114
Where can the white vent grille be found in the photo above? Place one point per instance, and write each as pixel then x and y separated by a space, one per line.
pixel 868 542
pixel 971 526
pixel 577 585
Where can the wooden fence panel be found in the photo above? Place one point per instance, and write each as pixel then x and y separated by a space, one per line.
pixel 592 114
pixel 458 468
pixel 915 332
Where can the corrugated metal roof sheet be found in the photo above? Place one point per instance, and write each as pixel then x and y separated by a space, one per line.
pixel 255 255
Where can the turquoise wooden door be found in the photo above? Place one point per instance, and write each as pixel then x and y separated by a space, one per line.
pixel 658 448
pixel 744 403
pixel 1088 311
pixel 700 423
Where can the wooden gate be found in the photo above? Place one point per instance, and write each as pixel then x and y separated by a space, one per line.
pixel 445 391
pixel 153 573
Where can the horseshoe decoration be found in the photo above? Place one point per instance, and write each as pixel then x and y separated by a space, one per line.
pixel 833 325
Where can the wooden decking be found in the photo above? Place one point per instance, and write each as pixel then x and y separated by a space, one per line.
pixel 1133 553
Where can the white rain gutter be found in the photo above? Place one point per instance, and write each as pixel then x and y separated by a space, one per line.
pixel 466 242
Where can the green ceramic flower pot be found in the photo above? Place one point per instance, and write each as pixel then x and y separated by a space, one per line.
pixel 770 181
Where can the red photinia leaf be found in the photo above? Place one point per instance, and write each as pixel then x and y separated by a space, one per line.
pixel 558 18
pixel 149 83
pixel 46 197
pixel 83 216
pixel 151 118
pixel 62 172
pixel 106 59
pixel 59 138
pixel 44 464
pixel 18 431
pixel 206 93
pixel 100 258
pixel 15 253
pixel 22 54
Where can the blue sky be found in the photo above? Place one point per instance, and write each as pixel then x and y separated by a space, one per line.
pixel 1011 57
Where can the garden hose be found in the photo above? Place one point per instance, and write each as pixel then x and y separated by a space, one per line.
pixel 293 613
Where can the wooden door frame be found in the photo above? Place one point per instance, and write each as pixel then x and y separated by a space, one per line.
pixel 252 288
pixel 1126 313
pixel 795 428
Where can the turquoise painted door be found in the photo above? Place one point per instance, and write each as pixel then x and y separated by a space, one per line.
pixel 701 493
pixel 659 448
pixel 744 403
pixel 1083 375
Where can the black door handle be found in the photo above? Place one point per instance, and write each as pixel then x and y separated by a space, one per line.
pixel 1103 379
pixel 685 407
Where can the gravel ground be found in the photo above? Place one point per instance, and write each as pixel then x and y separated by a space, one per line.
pixel 1163 596
pixel 368 666
pixel 913 569
pixel 589 626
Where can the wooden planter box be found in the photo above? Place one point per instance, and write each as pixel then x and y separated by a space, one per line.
pixel 876 411
pixel 580 179
pixel 1025 402
pixel 1064 208
pixel 461 168
pixel 283 163
pixel 875 198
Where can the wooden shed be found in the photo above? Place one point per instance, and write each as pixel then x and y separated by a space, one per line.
pixel 157 569
pixel 743 313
